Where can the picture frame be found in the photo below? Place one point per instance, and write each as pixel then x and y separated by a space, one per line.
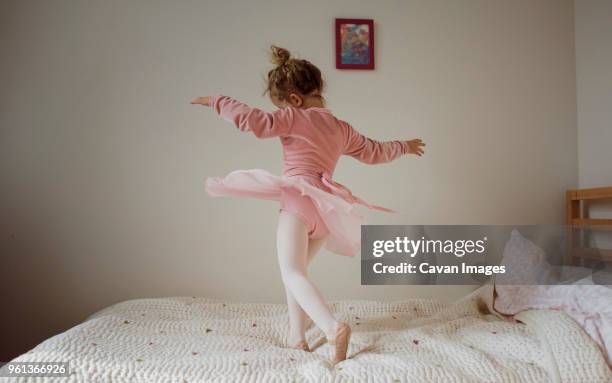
pixel 354 43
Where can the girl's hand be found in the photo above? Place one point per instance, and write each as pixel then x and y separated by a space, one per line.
pixel 415 147
pixel 201 101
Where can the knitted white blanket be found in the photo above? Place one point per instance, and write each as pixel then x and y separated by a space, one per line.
pixel 190 339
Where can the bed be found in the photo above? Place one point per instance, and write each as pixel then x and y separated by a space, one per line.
pixel 487 336
pixel 195 339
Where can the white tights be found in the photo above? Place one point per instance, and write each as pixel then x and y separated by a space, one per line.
pixel 295 251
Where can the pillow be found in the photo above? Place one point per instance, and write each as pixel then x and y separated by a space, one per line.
pixel 525 263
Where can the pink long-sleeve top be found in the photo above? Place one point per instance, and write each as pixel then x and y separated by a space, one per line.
pixel 313 139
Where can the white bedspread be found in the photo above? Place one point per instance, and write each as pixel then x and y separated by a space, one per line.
pixel 589 305
pixel 192 339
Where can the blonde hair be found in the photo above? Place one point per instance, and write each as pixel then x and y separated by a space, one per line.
pixel 292 76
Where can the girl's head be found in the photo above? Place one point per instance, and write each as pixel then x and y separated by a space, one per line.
pixel 293 82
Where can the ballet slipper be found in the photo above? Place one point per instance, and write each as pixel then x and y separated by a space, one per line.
pixel 341 342
pixel 302 345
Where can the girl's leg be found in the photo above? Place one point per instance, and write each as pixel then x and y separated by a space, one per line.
pixel 292 245
pixel 297 316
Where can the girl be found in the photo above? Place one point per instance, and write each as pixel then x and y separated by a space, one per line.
pixel 314 209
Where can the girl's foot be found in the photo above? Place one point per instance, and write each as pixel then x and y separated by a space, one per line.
pixel 301 345
pixel 340 342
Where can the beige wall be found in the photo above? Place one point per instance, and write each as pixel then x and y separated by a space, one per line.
pixel 594 86
pixel 103 159
pixel 594 99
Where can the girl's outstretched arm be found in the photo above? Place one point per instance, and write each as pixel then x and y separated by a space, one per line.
pixel 245 118
pixel 372 151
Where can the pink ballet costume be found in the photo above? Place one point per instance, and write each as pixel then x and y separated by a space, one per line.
pixel 313 140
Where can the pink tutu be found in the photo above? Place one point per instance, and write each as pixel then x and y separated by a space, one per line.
pixel 335 206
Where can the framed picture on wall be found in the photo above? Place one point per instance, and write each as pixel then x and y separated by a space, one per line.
pixel 354 43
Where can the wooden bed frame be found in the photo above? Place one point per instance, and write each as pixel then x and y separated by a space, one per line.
pixel 577 218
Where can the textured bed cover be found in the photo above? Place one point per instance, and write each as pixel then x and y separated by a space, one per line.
pixel 194 339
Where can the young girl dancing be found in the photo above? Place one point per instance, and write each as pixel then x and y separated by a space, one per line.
pixel 314 209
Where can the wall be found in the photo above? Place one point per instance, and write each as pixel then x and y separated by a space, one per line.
pixel 594 91
pixel 594 100
pixel 103 159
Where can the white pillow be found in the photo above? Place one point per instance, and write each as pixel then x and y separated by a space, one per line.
pixel 525 263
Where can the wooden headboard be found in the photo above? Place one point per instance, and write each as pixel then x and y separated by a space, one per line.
pixel 577 217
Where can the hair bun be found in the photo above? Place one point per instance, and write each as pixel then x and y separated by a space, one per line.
pixel 279 56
